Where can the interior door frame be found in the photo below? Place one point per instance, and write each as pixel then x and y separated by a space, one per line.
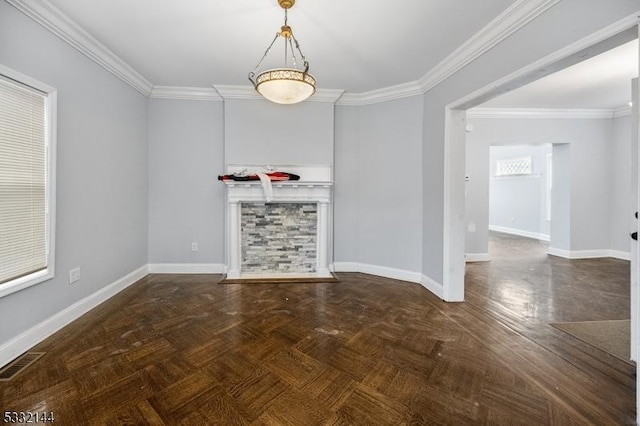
pixel 454 233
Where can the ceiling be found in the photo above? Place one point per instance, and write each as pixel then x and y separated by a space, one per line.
pixel 601 82
pixel 355 45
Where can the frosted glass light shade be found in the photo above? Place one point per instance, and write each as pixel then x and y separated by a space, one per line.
pixel 285 85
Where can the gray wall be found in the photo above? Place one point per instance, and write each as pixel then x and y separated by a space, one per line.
pixel 598 169
pixel 476 195
pixel 101 206
pixel 185 198
pixel 346 194
pixel 561 198
pixel 622 219
pixel 378 184
pixel 519 202
pixel 103 194
pixel 546 34
pixel 258 132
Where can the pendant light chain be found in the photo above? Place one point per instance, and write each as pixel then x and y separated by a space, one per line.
pixel 293 54
pixel 266 52
pixel 304 60
pixel 286 84
pixel 285 39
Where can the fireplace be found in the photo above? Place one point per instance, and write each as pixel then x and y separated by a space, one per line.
pixel 288 237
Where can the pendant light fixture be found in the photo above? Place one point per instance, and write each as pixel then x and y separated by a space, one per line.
pixel 289 84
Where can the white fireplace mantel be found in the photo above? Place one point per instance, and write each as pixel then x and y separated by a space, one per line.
pixel 283 192
pixel 238 192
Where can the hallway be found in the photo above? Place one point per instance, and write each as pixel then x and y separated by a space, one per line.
pixel 525 289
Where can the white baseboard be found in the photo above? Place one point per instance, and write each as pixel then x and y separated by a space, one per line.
pixel 396 274
pixel 519 232
pixel 382 271
pixel 477 257
pixel 622 255
pixel 187 268
pixel 28 339
pixel 588 254
pixel 433 286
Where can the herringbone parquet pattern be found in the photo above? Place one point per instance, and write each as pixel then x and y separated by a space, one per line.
pixel 183 350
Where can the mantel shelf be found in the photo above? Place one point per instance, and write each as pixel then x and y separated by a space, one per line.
pixel 282 183
pixel 283 191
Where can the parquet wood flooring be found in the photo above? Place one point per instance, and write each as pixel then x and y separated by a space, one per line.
pixel 182 350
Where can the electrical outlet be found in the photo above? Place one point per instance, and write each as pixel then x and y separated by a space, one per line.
pixel 194 246
pixel 74 275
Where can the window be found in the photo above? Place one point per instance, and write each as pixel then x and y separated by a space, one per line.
pixel 514 167
pixel 27 150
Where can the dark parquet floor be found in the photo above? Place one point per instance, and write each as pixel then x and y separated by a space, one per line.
pixel 183 350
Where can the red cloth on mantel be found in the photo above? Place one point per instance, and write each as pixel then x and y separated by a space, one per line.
pixel 272 176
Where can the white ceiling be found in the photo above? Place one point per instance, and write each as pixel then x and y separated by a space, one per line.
pixel 358 45
pixel 355 45
pixel 601 82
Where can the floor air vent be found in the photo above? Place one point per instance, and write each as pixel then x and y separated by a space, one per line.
pixel 19 364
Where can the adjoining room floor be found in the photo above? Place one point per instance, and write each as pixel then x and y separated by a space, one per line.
pixel 181 349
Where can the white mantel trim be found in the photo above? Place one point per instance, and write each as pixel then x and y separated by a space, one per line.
pixel 50 17
pixel 512 19
pixel 283 192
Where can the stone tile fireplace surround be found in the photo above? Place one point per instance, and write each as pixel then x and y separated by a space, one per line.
pixel 288 237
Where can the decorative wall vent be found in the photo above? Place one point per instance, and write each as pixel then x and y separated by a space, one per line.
pixel 514 167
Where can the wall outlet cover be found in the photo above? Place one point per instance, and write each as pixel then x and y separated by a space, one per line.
pixel 74 275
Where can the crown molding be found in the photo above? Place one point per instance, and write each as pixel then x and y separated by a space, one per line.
pixel 185 93
pixel 249 93
pixel 541 113
pixel 50 17
pixel 623 111
pixel 572 49
pixel 511 20
pixel 508 22
pixel 326 95
pixel 385 94
pixel 236 92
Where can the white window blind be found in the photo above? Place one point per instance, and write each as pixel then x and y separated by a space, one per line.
pixel 23 197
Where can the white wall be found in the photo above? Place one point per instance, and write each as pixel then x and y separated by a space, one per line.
pixel 519 203
pixel 378 184
pixel 185 198
pixel 101 206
